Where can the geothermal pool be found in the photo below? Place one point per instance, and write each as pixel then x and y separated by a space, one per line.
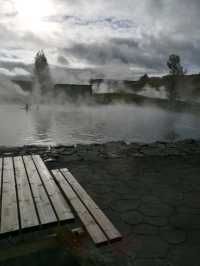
pixel 52 125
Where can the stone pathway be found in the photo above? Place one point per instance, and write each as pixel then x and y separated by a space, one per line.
pixel 154 201
pixel 150 192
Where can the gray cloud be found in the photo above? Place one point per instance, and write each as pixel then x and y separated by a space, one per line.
pixel 98 33
pixel 116 51
pixel 14 72
pixel 62 60
pixel 113 22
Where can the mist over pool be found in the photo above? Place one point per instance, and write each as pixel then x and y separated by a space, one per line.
pixel 69 125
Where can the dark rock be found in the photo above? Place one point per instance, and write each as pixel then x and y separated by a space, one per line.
pixel 187 210
pixel 150 199
pixel 145 229
pixel 184 256
pixel 149 262
pixel 157 221
pixel 150 247
pixel 154 149
pixel 124 205
pixel 193 237
pixel 132 217
pixel 192 199
pixel 185 221
pixel 157 210
pixel 173 236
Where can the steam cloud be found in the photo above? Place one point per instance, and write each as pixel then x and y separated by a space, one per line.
pixel 10 92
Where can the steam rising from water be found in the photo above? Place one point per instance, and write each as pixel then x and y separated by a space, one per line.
pixel 10 92
pixel 111 87
pixel 150 92
pixel 70 124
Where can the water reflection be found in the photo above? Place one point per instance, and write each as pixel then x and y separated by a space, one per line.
pixel 42 123
pixel 170 127
pixel 71 125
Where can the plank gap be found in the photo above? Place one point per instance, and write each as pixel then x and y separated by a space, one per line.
pixel 17 196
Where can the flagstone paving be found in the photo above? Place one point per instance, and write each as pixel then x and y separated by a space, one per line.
pixel 155 203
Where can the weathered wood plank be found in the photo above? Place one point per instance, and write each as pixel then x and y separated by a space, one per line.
pixel 44 209
pixel 60 204
pixel 111 232
pixel 91 226
pixel 28 215
pixel 9 212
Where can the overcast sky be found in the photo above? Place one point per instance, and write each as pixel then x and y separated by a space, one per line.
pixel 122 35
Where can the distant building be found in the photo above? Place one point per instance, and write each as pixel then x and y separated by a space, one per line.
pixel 73 91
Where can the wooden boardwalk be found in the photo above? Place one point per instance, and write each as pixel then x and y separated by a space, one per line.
pixel 29 196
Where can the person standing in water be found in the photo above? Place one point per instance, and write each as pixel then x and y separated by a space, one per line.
pixel 26 107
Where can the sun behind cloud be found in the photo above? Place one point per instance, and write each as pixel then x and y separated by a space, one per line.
pixel 31 13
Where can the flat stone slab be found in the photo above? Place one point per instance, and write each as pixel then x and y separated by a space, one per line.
pixel 186 221
pixel 124 205
pixel 150 247
pixel 150 199
pixel 145 229
pixel 132 217
pixel 149 262
pixel 192 199
pixel 156 210
pixel 173 236
pixel 184 256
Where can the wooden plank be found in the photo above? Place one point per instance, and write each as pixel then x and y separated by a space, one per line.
pixel 44 209
pixel 60 204
pixel 88 221
pixel 28 215
pixel 111 232
pixel 9 212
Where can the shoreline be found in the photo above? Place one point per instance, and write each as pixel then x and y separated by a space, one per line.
pixel 108 150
